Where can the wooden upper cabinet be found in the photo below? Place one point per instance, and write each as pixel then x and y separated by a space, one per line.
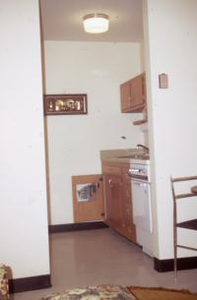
pixel 133 94
pixel 137 92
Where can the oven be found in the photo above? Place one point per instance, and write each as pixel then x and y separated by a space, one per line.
pixel 141 201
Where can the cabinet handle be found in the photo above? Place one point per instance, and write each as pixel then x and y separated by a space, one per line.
pixel 110 183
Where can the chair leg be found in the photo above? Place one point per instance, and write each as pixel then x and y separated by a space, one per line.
pixel 175 262
pixel 174 230
pixel 175 246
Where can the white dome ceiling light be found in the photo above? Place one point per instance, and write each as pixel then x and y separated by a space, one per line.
pixel 96 23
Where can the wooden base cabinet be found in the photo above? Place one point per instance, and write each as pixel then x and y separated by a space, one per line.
pixel 87 198
pixel 130 231
pixel 117 199
pixel 113 193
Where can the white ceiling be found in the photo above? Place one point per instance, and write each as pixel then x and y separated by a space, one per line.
pixel 62 20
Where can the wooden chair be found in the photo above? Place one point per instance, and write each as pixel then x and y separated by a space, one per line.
pixel 189 224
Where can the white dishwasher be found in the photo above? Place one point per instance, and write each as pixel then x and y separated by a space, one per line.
pixel 142 206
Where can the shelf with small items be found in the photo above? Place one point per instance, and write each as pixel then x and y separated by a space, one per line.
pixel 144 118
pixel 139 122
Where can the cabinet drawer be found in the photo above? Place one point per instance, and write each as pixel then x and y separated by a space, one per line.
pixel 125 174
pixel 111 169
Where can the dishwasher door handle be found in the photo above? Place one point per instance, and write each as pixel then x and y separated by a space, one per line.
pixel 139 184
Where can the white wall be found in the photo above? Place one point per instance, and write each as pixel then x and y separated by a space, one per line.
pixel 171 40
pixel 74 142
pixel 23 221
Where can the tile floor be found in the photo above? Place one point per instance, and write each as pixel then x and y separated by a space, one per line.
pixel 91 257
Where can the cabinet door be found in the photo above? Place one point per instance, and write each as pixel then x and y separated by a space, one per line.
pixel 130 230
pixel 113 198
pixel 138 92
pixel 125 94
pixel 88 204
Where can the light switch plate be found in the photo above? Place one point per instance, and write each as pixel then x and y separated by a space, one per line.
pixel 163 81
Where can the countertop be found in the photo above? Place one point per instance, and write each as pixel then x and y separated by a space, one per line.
pixel 124 155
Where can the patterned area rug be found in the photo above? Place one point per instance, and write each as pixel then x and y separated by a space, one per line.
pixel 141 293
pixel 117 292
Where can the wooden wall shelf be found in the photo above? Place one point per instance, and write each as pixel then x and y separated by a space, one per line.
pixel 139 122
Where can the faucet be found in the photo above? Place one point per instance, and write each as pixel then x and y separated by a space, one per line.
pixel 146 149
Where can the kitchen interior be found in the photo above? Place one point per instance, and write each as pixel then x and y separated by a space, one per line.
pixel 122 107
pixel 110 141
pixel 121 158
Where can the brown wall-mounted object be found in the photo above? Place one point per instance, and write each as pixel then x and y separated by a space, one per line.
pixel 69 104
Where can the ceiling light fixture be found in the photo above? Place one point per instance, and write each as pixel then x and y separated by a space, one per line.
pixel 96 23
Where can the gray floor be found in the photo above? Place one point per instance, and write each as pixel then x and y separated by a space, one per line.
pixel 101 256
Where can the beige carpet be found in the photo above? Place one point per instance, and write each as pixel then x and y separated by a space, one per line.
pixel 142 293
